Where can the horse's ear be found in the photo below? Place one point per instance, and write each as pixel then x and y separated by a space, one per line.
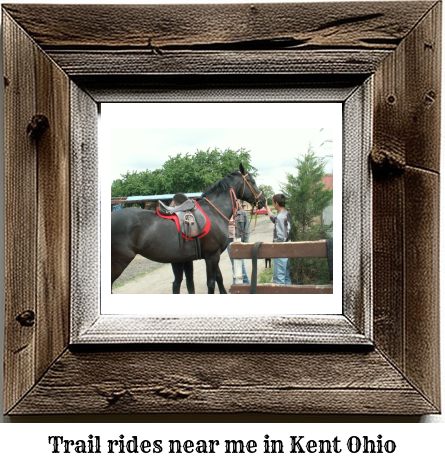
pixel 241 169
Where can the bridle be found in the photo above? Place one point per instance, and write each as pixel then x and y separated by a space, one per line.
pixel 256 202
pixel 234 203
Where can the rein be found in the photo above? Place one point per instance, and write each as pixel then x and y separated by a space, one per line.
pixel 233 201
pixel 256 202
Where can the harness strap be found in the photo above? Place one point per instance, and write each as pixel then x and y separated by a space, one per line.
pixel 244 176
pixel 253 279
pixel 233 200
pixel 225 217
pixel 198 248
pixel 256 217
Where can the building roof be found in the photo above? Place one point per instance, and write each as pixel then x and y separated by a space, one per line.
pixel 150 198
pixel 328 180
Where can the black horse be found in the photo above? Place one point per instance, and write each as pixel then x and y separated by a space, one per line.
pixel 136 231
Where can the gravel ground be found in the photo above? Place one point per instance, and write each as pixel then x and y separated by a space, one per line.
pixel 141 266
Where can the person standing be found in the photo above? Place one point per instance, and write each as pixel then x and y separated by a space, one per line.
pixel 179 270
pixel 242 222
pixel 281 233
pixel 185 268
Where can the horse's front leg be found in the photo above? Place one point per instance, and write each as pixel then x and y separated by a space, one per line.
pixel 212 268
pixel 219 281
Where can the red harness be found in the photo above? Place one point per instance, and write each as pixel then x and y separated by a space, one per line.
pixel 176 220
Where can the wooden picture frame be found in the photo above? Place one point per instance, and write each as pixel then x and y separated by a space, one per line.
pixel 91 322
pixel 57 70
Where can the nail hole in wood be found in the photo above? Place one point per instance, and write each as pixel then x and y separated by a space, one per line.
pixel 430 97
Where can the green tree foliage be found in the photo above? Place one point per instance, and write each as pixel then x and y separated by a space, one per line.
pixel 268 192
pixel 183 173
pixel 135 183
pixel 306 198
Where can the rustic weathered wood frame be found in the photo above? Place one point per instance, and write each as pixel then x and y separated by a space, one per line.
pixel 81 55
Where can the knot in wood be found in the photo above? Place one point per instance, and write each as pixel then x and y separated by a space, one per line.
pixel 26 318
pixel 386 162
pixel 112 392
pixel 37 126
pixel 173 393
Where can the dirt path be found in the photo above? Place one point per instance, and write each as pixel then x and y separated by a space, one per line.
pixel 157 278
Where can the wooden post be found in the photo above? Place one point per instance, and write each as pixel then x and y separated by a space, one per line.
pixel 238 271
pixel 237 266
pixel 313 249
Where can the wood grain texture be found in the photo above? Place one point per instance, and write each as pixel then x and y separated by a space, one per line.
pixel 406 221
pixel 315 249
pixel 282 289
pixel 219 87
pixel 407 110
pixel 388 268
pixel 225 39
pixel 85 212
pixel 232 331
pixel 219 381
pixel 53 207
pixel 38 175
pixel 128 63
pixel 158 27
pixel 422 364
pixel 20 212
pixel 422 98
pixel 357 208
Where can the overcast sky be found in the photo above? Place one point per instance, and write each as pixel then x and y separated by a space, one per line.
pixel 143 136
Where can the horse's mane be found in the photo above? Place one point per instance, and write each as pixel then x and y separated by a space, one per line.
pixel 221 186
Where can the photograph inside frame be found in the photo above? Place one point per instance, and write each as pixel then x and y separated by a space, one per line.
pixel 190 179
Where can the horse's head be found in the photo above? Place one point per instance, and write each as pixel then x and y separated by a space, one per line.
pixel 250 190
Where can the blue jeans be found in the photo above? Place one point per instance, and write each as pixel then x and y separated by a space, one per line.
pixel 281 271
pixel 245 279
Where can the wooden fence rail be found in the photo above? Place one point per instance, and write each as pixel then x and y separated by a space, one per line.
pixel 316 249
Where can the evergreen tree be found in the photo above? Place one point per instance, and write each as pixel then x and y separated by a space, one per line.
pixel 306 198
